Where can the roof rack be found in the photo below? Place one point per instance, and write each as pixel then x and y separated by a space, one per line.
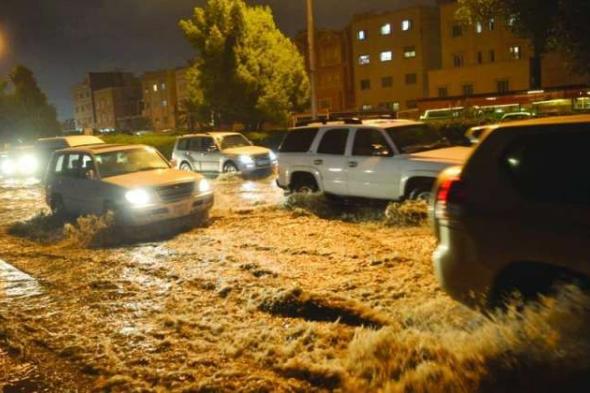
pixel 346 117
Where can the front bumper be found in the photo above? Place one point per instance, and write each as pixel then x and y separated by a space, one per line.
pixel 255 168
pixel 144 215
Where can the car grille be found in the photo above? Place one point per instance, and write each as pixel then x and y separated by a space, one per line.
pixel 262 159
pixel 176 192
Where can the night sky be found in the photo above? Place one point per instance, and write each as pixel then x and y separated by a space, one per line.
pixel 61 40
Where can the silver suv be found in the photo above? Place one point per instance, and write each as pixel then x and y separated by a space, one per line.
pixel 516 217
pixel 221 152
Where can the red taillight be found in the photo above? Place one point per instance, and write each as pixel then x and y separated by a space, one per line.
pixel 451 191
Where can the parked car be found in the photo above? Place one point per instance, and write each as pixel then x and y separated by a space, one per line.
pixel 516 217
pixel 515 116
pixel 221 152
pixel 134 181
pixel 45 147
pixel 443 114
pixel 474 134
pixel 378 159
pixel 19 162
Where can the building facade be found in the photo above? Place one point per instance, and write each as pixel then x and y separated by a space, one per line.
pixel 160 99
pixel 487 58
pixel 334 78
pixel 392 53
pixel 107 101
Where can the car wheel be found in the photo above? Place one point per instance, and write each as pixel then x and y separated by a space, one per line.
pixel 421 194
pixel 185 166
pixel 201 219
pixel 58 208
pixel 230 167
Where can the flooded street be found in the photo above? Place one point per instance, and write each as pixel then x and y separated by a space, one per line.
pixel 263 299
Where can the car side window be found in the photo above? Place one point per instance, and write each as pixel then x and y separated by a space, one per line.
pixel 88 170
pixel 73 165
pixel 183 144
pixel 195 145
pixel 59 165
pixel 334 142
pixel 207 144
pixel 369 142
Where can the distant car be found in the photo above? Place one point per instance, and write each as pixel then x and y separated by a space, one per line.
pixel 442 114
pixel 377 159
pixel 19 162
pixel 134 181
pixel 45 147
pixel 513 116
pixel 222 152
pixel 516 217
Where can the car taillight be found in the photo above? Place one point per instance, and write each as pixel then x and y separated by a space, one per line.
pixel 449 197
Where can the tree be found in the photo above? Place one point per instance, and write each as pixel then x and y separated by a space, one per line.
pixel 24 112
pixel 247 71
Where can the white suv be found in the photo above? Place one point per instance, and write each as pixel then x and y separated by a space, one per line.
pixel 134 181
pixel 379 159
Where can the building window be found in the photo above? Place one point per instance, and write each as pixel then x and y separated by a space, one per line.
pixel 365 84
pixel 406 25
pixel 366 107
pixel 458 61
pixel 387 81
pixel 364 59
pixel 155 87
pixel 478 27
pixel 164 103
pixel 443 92
pixel 511 21
pixel 361 35
pixel 479 57
pixel 503 86
pixel 492 24
pixel 409 52
pixel 386 29
pixel 492 56
pixel 468 90
pixel 163 86
pixel 515 52
pixel 390 106
pixel 457 31
pixel 411 79
pixel 386 56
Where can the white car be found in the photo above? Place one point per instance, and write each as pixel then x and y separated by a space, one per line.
pixel 135 182
pixel 221 152
pixel 377 159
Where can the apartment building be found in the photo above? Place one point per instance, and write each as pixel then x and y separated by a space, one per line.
pixel 160 99
pixel 392 53
pixel 107 101
pixel 487 58
pixel 334 78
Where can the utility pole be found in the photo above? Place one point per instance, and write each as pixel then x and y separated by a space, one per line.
pixel 312 60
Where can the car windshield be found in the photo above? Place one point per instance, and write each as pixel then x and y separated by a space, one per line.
pixel 414 139
pixel 123 162
pixel 231 141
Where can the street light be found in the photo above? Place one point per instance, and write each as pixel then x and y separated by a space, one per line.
pixel 312 61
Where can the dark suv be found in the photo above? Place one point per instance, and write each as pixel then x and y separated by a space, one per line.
pixel 516 217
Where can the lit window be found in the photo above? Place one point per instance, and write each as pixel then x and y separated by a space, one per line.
pixel 164 104
pixel 367 107
pixel 386 29
pixel 163 86
pixel 491 24
pixel 362 35
pixel 364 59
pixel 516 52
pixel 478 28
pixel 511 21
pixel 406 25
pixel 386 56
pixel 155 87
pixel 409 52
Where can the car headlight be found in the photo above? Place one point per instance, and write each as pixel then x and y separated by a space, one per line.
pixel 272 156
pixel 28 164
pixel 246 160
pixel 138 197
pixel 8 168
pixel 204 185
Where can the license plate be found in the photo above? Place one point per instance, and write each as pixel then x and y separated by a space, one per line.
pixel 263 163
pixel 181 209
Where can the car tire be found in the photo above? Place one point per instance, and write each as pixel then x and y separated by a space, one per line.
pixel 109 207
pixel 201 219
pixel 230 167
pixel 185 166
pixel 58 208
pixel 305 185
pixel 420 194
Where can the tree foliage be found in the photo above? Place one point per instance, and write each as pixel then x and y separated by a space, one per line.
pixel 24 111
pixel 548 24
pixel 247 70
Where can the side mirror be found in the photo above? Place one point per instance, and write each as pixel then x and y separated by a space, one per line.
pixel 212 149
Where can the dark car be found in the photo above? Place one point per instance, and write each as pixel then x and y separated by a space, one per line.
pixel 516 217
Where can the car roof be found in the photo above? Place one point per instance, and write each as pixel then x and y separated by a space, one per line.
pixel 211 133
pixel 104 148
pixel 379 123
pixel 545 121
pixel 75 140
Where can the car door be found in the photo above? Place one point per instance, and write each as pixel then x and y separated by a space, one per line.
pixel 211 155
pixel 69 183
pixel 373 169
pixel 331 161
pixel 194 154
pixel 89 197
